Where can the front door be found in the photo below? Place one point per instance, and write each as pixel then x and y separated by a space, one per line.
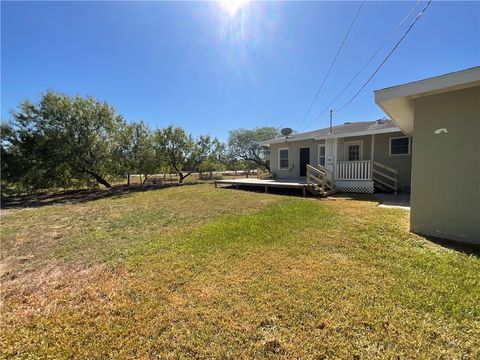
pixel 304 160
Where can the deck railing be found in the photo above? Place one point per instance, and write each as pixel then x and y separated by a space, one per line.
pixel 318 182
pixel 354 170
pixel 385 175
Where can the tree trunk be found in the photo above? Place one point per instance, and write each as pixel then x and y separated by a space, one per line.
pixel 145 179
pixel 128 179
pixel 182 176
pixel 99 179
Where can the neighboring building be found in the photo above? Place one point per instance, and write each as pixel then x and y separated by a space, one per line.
pixel 354 156
pixel 442 114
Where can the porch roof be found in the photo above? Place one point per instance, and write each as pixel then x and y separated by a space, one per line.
pixel 344 130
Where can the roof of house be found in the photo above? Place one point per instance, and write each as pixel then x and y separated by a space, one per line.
pixel 397 101
pixel 348 129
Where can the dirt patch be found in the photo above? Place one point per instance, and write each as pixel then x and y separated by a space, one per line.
pixel 42 290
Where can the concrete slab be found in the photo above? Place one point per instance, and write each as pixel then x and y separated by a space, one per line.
pixel 394 201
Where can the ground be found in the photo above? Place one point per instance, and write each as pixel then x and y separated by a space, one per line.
pixel 199 272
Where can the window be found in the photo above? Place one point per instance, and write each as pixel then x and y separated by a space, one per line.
pixel 283 158
pixel 399 146
pixel 321 154
pixel 353 150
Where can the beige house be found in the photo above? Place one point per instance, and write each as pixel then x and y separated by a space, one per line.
pixel 353 157
pixel 442 115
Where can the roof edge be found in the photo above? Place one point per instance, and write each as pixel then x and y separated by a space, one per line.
pixel 457 79
pixel 397 101
pixel 283 140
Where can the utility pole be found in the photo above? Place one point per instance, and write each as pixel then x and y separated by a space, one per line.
pixel 331 114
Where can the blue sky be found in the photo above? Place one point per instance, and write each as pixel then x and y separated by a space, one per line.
pixel 197 65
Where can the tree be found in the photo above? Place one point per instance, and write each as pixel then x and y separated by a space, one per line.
pixel 246 145
pixel 65 137
pixel 215 162
pixel 135 151
pixel 147 161
pixel 182 152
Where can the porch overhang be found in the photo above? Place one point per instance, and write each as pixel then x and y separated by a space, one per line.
pixel 358 133
pixel 397 101
pixel 329 136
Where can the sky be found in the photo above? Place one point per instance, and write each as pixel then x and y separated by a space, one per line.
pixel 211 67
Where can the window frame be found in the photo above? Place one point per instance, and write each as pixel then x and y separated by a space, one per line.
pixel 349 143
pixel 324 156
pixel 280 159
pixel 398 137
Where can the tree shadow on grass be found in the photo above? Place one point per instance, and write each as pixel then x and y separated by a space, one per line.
pixel 78 196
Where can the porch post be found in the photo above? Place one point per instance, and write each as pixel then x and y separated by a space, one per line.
pixel 331 155
pixel 372 157
pixel 373 146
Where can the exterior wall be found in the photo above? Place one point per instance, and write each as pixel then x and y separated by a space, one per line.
pixel 445 199
pixel 367 147
pixel 293 156
pixel 401 163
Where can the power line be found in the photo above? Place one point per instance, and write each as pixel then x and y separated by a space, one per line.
pixel 366 63
pixel 386 58
pixel 331 65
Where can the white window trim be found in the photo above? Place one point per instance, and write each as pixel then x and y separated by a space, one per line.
pixel 346 144
pixel 398 137
pixel 325 147
pixel 288 158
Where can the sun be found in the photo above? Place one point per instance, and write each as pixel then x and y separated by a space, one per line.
pixel 232 7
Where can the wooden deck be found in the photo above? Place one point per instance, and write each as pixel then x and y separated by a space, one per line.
pixel 285 184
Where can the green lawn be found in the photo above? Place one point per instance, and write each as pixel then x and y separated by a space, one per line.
pixel 198 272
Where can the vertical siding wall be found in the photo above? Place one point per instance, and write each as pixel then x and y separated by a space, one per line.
pixel 367 147
pixel 401 163
pixel 294 157
pixel 381 153
pixel 446 167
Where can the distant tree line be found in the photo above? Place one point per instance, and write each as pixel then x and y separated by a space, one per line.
pixel 65 142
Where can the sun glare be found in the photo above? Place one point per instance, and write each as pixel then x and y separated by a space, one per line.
pixel 232 7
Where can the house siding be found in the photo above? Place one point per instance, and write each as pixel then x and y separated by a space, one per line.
pixel 367 146
pixel 401 163
pixel 446 166
pixel 293 156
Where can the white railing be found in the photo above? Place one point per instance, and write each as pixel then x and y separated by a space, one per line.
pixel 385 175
pixel 318 182
pixel 328 173
pixel 353 170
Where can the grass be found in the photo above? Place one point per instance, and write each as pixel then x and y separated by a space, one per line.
pixel 198 272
